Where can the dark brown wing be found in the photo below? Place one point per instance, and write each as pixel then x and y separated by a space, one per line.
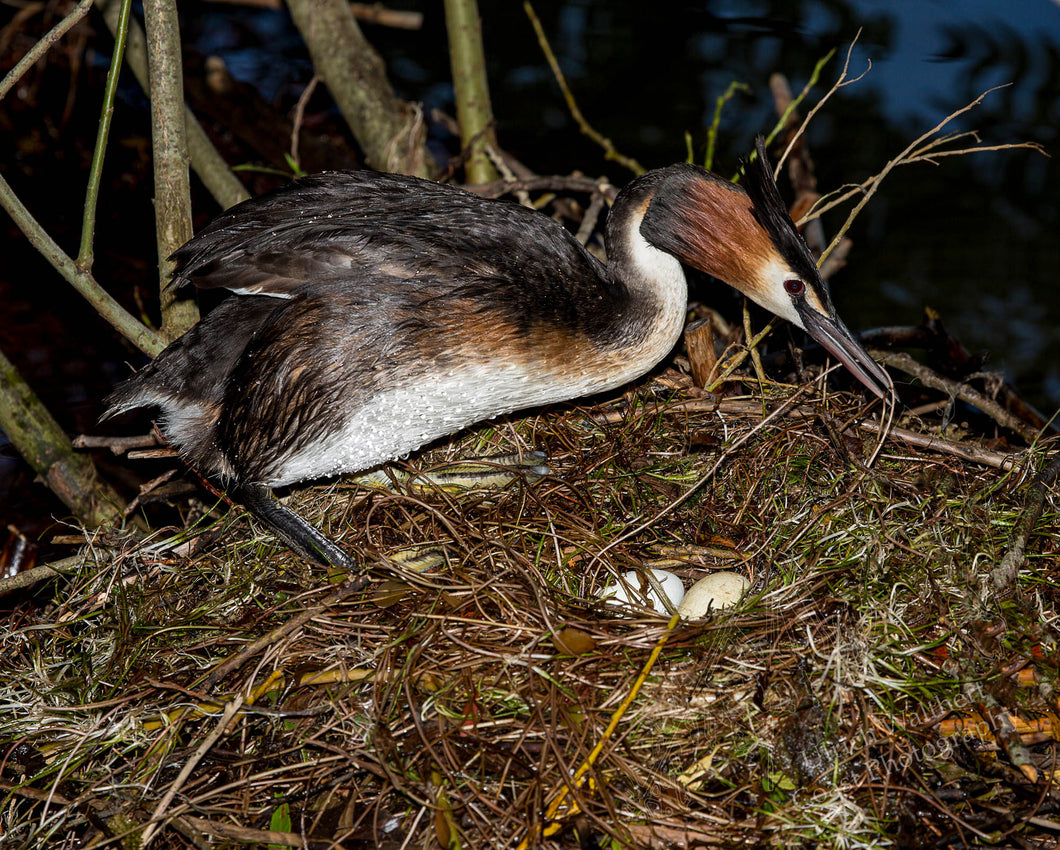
pixel 358 225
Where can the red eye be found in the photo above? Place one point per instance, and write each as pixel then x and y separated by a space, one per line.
pixel 794 286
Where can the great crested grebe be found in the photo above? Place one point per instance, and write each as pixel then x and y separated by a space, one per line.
pixel 377 313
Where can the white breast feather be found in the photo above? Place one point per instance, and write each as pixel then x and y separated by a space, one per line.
pixel 401 420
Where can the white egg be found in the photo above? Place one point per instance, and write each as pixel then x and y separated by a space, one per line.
pixel 637 590
pixel 712 593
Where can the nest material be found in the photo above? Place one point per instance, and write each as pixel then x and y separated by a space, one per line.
pixel 455 707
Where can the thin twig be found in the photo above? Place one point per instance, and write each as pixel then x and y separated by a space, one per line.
pixel 248 836
pixel 956 389
pixel 95 174
pixel 376 13
pixel 913 152
pixel 734 362
pixel 609 149
pixel 712 130
pixel 117 445
pixel 555 183
pixel 789 109
pixel 347 588
pixel 840 196
pixel 127 325
pixel 43 572
pixel 34 54
pixel 1003 577
pixel 152 829
pixel 756 355
pixel 592 214
pixel 842 82
pixel 299 118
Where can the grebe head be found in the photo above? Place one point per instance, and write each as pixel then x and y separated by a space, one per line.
pixel 745 237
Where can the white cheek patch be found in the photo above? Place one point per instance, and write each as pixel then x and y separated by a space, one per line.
pixel 771 294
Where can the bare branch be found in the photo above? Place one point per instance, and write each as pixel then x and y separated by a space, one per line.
pixel 170 156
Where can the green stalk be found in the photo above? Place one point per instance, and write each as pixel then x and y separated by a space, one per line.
pixel 95 174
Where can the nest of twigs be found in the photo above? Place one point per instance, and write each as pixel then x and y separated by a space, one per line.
pixel 885 680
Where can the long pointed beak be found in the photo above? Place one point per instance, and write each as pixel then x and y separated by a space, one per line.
pixel 841 344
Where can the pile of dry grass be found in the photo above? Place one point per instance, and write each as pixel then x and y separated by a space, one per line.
pixel 882 683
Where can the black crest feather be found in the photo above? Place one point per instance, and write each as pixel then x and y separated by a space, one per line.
pixel 770 211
